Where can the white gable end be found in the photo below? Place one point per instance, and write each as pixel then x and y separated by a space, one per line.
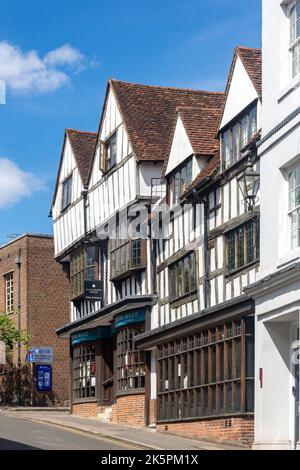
pixel 181 147
pixel 241 93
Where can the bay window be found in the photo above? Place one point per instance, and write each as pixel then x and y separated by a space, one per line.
pixel 295 36
pixel 294 206
pixel 82 268
pixel 126 255
pixel 84 371
pixel 237 136
pixel 130 362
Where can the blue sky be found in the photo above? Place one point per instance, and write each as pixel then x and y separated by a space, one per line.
pixel 56 57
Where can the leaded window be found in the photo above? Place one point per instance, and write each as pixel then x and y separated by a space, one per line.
pixel 180 180
pixel 67 193
pixel 243 245
pixel 9 292
pixel 82 268
pixel 84 371
pixel 295 37
pixel 130 362
pixel 183 277
pixel 294 206
pixel 209 374
pixel 236 137
pixel 108 150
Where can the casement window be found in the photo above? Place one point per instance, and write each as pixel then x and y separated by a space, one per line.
pixel 82 268
pixel 130 362
pixel 179 181
pixel 183 277
pixel 126 255
pixel 67 193
pixel 109 153
pixel 84 371
pixel 294 206
pixel 243 245
pixel 9 292
pixel 238 136
pixel 208 374
pixel 295 37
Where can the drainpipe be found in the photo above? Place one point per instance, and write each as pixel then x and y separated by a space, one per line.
pixel 19 265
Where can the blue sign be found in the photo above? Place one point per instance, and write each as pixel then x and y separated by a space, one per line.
pixel 130 318
pixel 44 378
pixel 91 335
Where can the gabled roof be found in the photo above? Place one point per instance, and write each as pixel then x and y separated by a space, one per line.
pixel 201 126
pixel 149 114
pixel 83 147
pixel 252 60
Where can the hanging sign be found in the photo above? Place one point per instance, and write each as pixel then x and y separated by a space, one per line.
pixel 93 290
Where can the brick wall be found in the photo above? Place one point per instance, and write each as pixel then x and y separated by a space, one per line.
pixel 129 410
pixel 152 414
pixel 238 431
pixel 44 308
pixel 86 410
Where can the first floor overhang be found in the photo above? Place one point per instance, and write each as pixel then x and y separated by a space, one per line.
pixel 227 311
pixel 105 316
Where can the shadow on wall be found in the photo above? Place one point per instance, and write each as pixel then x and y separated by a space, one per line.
pixel 28 396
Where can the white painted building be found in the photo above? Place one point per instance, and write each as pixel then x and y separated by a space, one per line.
pixel 277 292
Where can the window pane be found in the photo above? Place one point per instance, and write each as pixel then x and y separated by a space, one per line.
pixel 253 121
pixel 231 251
pixel 226 149
pixel 244 131
pixel 236 142
pixel 240 253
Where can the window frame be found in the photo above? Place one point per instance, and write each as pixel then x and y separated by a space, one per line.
pixel 130 367
pixel 231 150
pixel 206 374
pixel 178 184
pixel 294 42
pixel 105 151
pixel 67 183
pixel 177 277
pixel 238 247
pixel 9 292
pixel 79 269
pixel 81 371
pixel 295 209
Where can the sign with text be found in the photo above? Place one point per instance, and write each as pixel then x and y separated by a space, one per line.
pixel 44 378
pixel 2 353
pixel 93 290
pixel 42 355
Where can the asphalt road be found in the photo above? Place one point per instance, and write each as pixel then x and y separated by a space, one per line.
pixel 18 434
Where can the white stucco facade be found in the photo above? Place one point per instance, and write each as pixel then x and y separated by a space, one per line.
pixel 277 293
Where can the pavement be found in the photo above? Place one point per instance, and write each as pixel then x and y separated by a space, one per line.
pixel 113 434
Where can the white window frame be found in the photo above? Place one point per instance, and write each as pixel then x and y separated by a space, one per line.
pixel 294 41
pixel 293 209
pixel 9 292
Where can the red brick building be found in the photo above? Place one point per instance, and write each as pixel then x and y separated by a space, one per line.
pixel 34 293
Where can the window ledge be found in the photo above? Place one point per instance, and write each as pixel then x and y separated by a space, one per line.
pixel 190 297
pixel 126 274
pixel 246 267
pixel 293 85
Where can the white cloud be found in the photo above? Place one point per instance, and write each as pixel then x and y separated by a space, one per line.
pixel 25 72
pixel 15 184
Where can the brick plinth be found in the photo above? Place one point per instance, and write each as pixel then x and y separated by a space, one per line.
pixel 129 410
pixel 86 410
pixel 152 415
pixel 238 431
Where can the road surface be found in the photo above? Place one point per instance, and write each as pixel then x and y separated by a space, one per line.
pixel 19 434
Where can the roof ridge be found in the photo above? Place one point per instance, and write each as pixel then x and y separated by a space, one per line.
pixel 159 87
pixel 68 129
pixel 246 48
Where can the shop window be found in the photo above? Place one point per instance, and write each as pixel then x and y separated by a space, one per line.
pixel 130 362
pixel 213 376
pixel 84 371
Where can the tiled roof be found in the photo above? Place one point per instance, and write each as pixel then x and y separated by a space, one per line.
pixel 201 126
pixel 210 170
pixel 252 60
pixel 149 114
pixel 83 146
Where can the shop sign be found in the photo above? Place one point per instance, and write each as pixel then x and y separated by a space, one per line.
pixel 42 355
pixel 93 290
pixel 44 378
pixel 130 318
pixel 91 335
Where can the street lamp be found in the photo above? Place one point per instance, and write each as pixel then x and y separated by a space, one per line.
pixel 248 183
